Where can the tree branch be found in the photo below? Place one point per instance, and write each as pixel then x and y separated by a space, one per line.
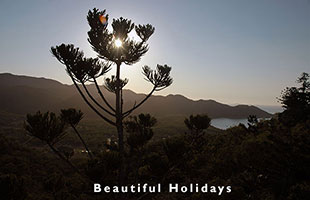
pixel 68 162
pixel 64 159
pixel 94 100
pixel 87 102
pixel 101 95
pixel 138 105
pixel 82 140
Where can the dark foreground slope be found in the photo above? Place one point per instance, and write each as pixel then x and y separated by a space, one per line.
pixel 279 169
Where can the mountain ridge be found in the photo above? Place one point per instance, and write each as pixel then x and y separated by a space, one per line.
pixel 25 94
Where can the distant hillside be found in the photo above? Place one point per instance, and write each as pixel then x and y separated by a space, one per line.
pixel 23 94
pixel 7 79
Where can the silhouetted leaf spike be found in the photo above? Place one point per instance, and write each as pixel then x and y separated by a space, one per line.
pixel 159 78
pixel 46 127
pixel 197 123
pixel 140 130
pixel 144 31
pixel 111 83
pixel 103 42
pixel 82 68
pixel 71 116
pixel 121 28
pixel 93 19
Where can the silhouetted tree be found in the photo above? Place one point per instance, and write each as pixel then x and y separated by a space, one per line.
pixel 45 126
pixel 175 149
pixel 140 130
pixel 72 117
pixel 252 123
pixel 48 128
pixel 196 125
pixel 296 102
pixel 117 48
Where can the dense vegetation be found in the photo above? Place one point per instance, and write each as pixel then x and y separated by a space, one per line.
pixel 267 160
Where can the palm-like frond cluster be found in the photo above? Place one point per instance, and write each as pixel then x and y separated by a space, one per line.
pixel 159 78
pixel 45 126
pixel 80 68
pixel 71 116
pixel 140 130
pixel 197 123
pixel 111 83
pixel 102 40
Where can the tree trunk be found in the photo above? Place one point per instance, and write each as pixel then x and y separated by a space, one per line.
pixel 119 125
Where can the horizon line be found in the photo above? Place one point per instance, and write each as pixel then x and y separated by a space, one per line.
pixel 174 94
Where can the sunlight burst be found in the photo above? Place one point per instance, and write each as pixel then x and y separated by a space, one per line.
pixel 118 43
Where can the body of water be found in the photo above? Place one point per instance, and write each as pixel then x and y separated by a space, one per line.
pixel 224 123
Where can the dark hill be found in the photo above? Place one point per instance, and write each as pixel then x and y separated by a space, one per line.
pixel 7 79
pixel 23 94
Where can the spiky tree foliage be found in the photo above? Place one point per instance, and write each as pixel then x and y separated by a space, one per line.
pixel 140 130
pixel 48 128
pixel 196 125
pixel 296 102
pixel 82 70
pixel 72 117
pixel 252 123
pixel 293 98
pixel 45 126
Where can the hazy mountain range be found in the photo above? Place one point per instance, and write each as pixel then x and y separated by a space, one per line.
pixel 24 94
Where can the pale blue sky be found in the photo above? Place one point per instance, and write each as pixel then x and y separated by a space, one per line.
pixel 232 51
